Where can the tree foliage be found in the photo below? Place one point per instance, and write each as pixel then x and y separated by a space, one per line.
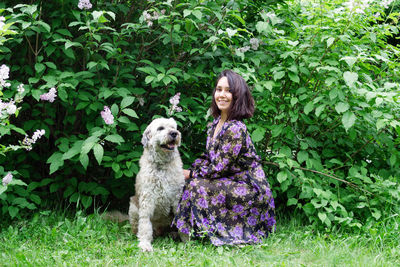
pixel 323 75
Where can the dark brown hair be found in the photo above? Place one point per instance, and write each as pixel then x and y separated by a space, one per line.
pixel 242 101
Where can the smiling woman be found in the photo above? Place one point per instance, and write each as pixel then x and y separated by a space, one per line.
pixel 227 196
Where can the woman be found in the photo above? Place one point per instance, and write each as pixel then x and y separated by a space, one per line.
pixel 227 197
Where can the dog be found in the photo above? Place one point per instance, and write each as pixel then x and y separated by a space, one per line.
pixel 159 182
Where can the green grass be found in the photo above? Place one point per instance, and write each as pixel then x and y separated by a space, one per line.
pixel 49 239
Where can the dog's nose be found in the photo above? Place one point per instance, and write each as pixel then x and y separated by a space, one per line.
pixel 173 134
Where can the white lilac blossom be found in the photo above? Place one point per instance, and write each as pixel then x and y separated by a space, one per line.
pixel 254 43
pixel 7 108
pixel 174 102
pixel 28 142
pixel 2 19
pixel 244 49
pixel 4 75
pixel 7 179
pixel 50 96
pixel 386 3
pixel 21 89
pixel 150 18
pixel 84 4
pixel 107 116
pixel 358 6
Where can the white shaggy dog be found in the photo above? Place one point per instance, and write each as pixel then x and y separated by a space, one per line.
pixel 159 183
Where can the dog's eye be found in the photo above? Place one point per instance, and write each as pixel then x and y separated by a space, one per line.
pixel 160 128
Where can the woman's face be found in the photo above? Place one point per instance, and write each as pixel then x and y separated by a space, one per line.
pixel 223 96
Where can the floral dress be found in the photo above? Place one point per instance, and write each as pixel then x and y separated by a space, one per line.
pixel 228 199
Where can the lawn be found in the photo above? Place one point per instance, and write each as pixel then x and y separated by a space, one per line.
pixel 54 238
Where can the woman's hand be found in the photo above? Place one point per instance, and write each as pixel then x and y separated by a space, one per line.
pixel 186 173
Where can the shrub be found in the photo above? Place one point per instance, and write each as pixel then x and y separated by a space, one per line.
pixel 323 76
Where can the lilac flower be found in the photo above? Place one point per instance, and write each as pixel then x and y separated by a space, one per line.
pixel 243 49
pixel 21 89
pixel 202 202
pixel 4 75
pixel 237 208
pixel 252 220
pixel 7 179
pixel 8 107
pixel 28 142
pixel 223 211
pixel 2 19
pixel 386 3
pixel 50 96
pixel 174 102
pixel 254 43
pixel 84 4
pixel 205 222
pixel 241 191
pixel 107 116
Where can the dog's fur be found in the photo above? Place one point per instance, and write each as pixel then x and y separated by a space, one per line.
pixel 159 183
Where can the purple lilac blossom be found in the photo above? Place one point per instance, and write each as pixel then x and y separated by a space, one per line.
pixel 7 179
pixel 50 96
pixel 226 147
pixel 254 211
pixel 84 4
pixel 107 116
pixel 271 221
pixel 202 191
pixel 221 198
pixel 180 223
pixel 237 232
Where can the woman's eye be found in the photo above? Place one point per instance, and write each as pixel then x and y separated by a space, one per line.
pixel 160 128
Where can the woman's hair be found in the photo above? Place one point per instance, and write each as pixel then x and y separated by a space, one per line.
pixel 242 101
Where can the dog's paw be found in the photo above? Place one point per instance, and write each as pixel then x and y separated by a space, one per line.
pixel 145 246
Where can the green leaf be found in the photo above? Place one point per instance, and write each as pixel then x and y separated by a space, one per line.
pixel 279 75
pixel 13 211
pixel 308 107
pixel 130 112
pixel 127 101
pixel 309 208
pixel 98 152
pixel 86 201
pixel 39 67
pixel 56 161
pixel 330 41
pixel 342 107
pixel 292 201
pixel 302 156
pixel 282 176
pixel 84 159
pixel 350 78
pixel 115 138
pixel 348 120
pixel 322 216
pixel 294 77
pixel 258 134
pixel 349 60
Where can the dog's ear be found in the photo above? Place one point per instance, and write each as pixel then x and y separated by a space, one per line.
pixel 146 137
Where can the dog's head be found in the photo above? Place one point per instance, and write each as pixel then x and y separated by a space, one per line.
pixel 162 134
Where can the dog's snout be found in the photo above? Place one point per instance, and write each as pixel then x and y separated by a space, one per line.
pixel 173 134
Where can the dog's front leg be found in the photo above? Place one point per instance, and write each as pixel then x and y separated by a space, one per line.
pixel 145 229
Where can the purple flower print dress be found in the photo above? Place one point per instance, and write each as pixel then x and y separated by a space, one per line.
pixel 228 199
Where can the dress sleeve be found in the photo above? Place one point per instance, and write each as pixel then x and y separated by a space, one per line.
pixel 219 158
